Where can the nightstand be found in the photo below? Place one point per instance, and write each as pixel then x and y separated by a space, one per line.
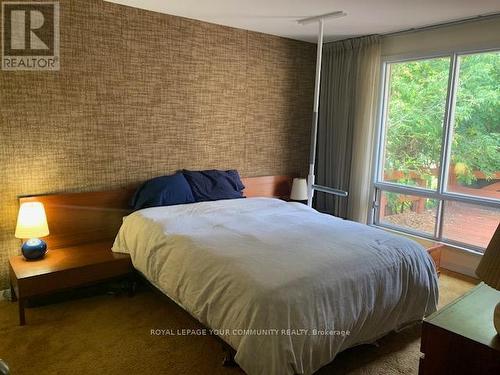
pixel 460 338
pixel 65 268
pixel 434 251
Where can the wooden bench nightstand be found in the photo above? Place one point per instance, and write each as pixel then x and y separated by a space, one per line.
pixel 433 248
pixel 65 268
pixel 434 251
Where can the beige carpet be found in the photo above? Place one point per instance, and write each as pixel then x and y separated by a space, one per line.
pixel 111 335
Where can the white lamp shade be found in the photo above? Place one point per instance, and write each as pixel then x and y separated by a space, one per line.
pixel 299 189
pixel 31 221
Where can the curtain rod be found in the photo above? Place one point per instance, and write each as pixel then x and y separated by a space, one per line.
pixel 423 28
pixel 439 25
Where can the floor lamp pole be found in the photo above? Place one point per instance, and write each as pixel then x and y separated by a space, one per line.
pixel 314 128
pixel 311 186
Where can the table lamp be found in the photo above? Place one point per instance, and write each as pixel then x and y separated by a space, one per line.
pixel 299 190
pixel 31 225
pixel 488 271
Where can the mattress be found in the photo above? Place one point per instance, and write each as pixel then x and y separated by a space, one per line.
pixel 286 286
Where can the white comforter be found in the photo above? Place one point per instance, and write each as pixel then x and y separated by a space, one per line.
pixel 264 264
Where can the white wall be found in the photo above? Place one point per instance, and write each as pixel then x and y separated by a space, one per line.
pixel 473 35
pixel 460 261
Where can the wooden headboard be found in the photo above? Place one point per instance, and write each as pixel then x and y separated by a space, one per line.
pixel 77 218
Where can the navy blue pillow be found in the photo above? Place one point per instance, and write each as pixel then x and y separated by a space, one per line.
pixel 213 185
pixel 163 191
pixel 235 177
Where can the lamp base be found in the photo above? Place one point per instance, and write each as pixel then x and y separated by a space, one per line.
pixel 34 248
pixel 496 318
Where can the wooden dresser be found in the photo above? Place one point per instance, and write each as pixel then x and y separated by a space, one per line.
pixel 460 338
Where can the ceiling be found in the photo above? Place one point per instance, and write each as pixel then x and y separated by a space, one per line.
pixel 278 17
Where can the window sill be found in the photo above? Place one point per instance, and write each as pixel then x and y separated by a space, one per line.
pixel 424 239
pixel 453 258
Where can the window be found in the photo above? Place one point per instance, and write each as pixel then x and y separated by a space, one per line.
pixel 438 165
pixel 474 164
pixel 411 212
pixel 414 124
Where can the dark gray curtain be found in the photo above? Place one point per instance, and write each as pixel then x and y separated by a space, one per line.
pixel 348 78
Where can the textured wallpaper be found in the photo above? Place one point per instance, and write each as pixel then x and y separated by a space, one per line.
pixel 140 94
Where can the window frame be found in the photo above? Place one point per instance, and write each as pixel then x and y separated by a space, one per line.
pixel 440 194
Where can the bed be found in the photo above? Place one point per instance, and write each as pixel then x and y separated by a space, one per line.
pixel 285 286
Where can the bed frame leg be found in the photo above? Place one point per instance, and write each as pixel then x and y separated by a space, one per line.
pixel 228 360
